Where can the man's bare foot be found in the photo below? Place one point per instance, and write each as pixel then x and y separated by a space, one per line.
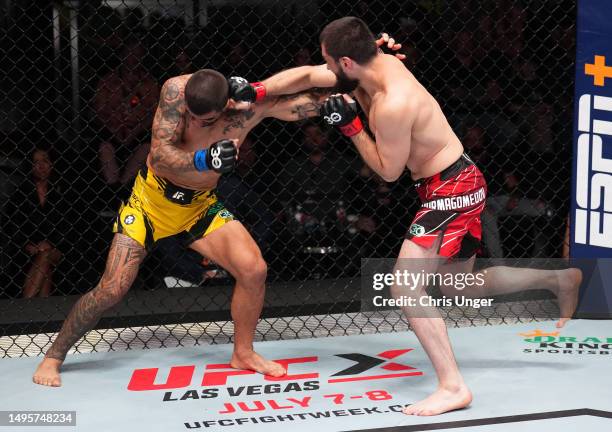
pixel 48 373
pixel 252 361
pixel 567 293
pixel 441 401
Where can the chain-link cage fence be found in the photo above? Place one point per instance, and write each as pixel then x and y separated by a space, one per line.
pixel 80 83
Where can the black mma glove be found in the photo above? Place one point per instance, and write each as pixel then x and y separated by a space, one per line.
pixel 242 91
pixel 336 111
pixel 219 157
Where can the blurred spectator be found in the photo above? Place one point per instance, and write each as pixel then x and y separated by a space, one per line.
pixel 102 35
pixel 510 24
pixel 182 63
pixel 511 202
pixel 238 194
pixel 380 215
pixel 317 178
pixel 485 34
pixel 475 143
pixel 486 155
pixel 303 57
pixel 527 85
pixel 124 103
pixel 237 62
pixel 541 132
pixel 492 100
pixel 463 74
pixel 37 223
pixel 560 63
pixel 315 184
pixel 363 11
pixel 534 114
pixel 412 56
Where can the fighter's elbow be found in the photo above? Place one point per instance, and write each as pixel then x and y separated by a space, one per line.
pixel 390 174
pixel 156 160
pixel 389 177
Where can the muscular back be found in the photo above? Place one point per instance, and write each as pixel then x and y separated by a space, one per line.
pixel 432 146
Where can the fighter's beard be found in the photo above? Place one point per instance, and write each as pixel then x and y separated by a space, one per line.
pixel 344 84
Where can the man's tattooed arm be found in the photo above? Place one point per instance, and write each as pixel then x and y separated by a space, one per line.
pixel 296 107
pixel 238 119
pixel 168 126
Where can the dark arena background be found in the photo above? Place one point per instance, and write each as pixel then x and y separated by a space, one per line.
pixel 80 82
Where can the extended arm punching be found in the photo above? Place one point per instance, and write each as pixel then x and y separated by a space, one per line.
pixel 298 79
pixel 302 78
pixel 296 107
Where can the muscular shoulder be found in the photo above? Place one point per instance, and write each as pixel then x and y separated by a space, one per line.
pixel 393 108
pixel 109 82
pixel 176 85
pixel 172 95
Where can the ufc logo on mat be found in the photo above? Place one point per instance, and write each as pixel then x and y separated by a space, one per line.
pixel 354 367
pixel 593 218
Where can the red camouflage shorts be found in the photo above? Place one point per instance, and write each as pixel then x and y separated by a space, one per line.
pixel 452 202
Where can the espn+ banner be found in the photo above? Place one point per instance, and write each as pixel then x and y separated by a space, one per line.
pixel 591 208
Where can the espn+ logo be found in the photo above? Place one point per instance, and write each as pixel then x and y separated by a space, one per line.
pixel 593 218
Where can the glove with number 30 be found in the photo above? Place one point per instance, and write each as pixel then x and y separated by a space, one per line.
pixel 336 111
pixel 219 157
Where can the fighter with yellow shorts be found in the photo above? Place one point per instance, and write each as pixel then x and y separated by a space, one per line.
pixel 157 209
pixel 199 124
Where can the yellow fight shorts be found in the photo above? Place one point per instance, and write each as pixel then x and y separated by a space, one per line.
pixel 158 209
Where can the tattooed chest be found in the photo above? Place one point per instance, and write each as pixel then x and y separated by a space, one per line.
pixel 229 126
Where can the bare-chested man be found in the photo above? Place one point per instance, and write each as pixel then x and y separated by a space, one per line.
pixel 411 132
pixel 200 122
pixel 196 131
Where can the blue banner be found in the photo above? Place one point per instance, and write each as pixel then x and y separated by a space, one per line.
pixel 591 206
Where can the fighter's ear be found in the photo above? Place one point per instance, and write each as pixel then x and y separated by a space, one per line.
pixel 346 62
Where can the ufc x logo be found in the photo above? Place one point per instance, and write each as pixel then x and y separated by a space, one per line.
pixel 178 195
pixel 365 367
pixel 381 361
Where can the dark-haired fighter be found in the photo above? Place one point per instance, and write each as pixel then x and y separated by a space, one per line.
pixel 411 132
pixel 196 131
pixel 200 120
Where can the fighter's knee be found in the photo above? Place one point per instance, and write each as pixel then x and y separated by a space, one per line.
pixel 253 270
pixel 259 270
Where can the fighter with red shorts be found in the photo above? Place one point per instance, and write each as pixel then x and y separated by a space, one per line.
pixel 452 202
pixel 407 130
